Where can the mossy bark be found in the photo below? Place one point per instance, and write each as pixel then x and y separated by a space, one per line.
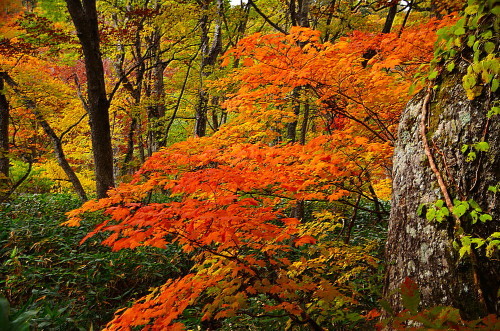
pixel 422 249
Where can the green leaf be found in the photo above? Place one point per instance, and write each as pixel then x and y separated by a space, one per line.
pixel 476 45
pixel 493 189
pixel 489 47
pixel 463 250
pixel 494 85
pixel 474 216
pixel 470 157
pixel 439 203
pixel 469 81
pixel 411 89
pixel 459 31
pixel 420 209
pixel 471 10
pixel 485 217
pixel 488 34
pixel 478 241
pixel 482 146
pixel 465 240
pixel 464 148
pixel 432 75
pixel 461 209
pixel 471 40
pixel 4 313
pixel 450 66
pixel 431 214
pixel 460 23
pixel 474 205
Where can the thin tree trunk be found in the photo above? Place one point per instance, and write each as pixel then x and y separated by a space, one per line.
pixel 291 128
pixel 61 158
pixel 208 58
pixel 389 20
pixel 305 123
pixel 56 141
pixel 352 221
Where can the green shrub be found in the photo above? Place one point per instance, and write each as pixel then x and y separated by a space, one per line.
pixel 70 286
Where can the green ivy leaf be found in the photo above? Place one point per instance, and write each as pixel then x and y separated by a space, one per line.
pixel 489 47
pixel 485 217
pixel 474 205
pixel 420 209
pixel 488 34
pixel 461 209
pixel 471 40
pixel 494 85
pixel 474 216
pixel 471 10
pixel 469 81
pixel 459 31
pixel 432 75
pixel 482 146
pixel 463 250
pixel 470 157
pixel 431 214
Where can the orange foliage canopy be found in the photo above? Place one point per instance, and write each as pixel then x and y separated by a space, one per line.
pixel 226 199
pixel 364 78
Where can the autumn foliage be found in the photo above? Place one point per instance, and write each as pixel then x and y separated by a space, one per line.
pixel 235 201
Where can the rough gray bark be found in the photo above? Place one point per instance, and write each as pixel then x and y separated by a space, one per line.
pixel 84 16
pixel 420 249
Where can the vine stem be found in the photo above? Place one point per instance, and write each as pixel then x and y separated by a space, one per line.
pixel 444 190
pixel 428 153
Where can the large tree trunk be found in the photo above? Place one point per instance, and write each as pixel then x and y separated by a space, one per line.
pixel 422 249
pixel 4 138
pixel 84 16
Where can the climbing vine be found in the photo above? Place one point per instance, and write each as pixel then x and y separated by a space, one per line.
pixel 472 43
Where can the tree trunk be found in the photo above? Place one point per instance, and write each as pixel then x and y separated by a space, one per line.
pixel 61 158
pixel 156 112
pixel 391 15
pixel 422 249
pixel 84 16
pixel 208 58
pixel 4 138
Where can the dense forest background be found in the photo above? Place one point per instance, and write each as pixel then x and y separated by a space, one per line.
pixel 237 161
